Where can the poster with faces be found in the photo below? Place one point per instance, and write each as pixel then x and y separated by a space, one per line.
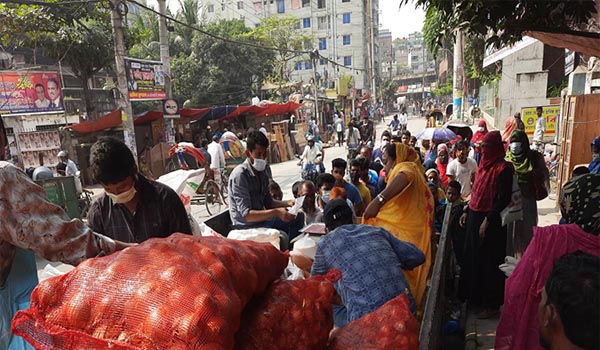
pixel 39 148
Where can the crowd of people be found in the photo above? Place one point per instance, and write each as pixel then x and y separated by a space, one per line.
pixel 392 199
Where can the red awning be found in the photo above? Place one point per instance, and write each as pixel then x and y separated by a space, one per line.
pixel 151 116
pixel 244 110
pixel 109 121
pixel 278 109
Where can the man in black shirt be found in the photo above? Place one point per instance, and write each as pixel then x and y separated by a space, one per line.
pixel 133 208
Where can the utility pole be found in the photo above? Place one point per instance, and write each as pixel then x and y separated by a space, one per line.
pixel 457 92
pixel 119 10
pixel 313 59
pixel 163 36
pixel 424 72
pixel 372 51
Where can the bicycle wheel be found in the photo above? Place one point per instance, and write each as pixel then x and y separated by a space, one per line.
pixel 224 184
pixel 213 198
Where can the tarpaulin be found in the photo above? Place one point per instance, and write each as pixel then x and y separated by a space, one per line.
pixel 109 121
pixel 150 116
pixel 585 42
pixel 218 112
pixel 277 109
pixel 244 110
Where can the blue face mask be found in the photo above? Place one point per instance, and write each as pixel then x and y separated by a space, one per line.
pixel 595 156
pixel 325 197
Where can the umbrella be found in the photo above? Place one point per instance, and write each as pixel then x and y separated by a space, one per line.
pixel 437 134
pixel 461 129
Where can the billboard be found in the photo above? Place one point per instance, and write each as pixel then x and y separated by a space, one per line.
pixel 30 92
pixel 145 80
pixel 529 117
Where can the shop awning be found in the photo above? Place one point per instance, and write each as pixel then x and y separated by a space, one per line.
pixel 109 121
pixel 217 112
pixel 587 43
pixel 151 116
pixel 277 109
pixel 241 110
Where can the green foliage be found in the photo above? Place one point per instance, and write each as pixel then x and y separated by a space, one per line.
pixel 444 90
pixel 283 33
pixel 503 22
pixel 220 72
pixel 555 89
pixel 389 89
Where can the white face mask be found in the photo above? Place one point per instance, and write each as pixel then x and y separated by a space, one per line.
pixel 325 197
pixel 481 129
pixel 259 164
pixel 515 147
pixel 595 155
pixel 385 143
pixel 124 197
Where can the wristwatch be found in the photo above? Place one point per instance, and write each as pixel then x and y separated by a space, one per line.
pixel 380 198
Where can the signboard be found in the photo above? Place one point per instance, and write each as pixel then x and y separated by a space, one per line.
pixel 145 80
pixel 39 148
pixel 493 54
pixel 529 117
pixel 170 109
pixel 30 92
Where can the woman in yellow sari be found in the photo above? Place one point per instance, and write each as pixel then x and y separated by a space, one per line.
pixel 405 208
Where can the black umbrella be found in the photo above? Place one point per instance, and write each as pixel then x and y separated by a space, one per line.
pixel 461 129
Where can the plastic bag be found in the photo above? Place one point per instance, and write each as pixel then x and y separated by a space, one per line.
pixel 179 292
pixel 392 326
pixel 291 315
pixel 258 234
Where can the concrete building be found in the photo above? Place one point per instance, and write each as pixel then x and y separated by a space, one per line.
pixel 339 29
pixel 386 56
pixel 528 69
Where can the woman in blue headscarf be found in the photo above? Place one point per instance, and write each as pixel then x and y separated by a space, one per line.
pixel 595 164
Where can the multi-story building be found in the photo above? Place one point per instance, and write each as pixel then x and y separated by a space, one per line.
pixel 339 30
pixel 386 56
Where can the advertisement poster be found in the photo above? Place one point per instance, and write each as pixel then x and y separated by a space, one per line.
pixel 145 80
pixel 39 148
pixel 529 117
pixel 30 92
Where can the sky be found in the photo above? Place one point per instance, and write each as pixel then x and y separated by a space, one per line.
pixel 400 22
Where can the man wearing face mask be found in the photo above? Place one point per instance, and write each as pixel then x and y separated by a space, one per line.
pixel 250 202
pixel 132 208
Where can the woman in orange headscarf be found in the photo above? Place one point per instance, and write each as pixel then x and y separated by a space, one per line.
pixel 405 208
pixel 509 127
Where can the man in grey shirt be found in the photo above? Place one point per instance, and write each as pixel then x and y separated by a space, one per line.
pixel 250 202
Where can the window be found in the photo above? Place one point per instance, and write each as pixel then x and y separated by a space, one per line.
pixel 223 6
pixel 321 4
pixel 322 43
pixel 346 18
pixel 346 40
pixel 240 5
pixel 345 0
pixel 305 3
pixel 258 6
pixel 308 65
pixel 322 61
pixel 347 61
pixel 210 8
pixel 323 22
pixel 299 66
pixel 306 22
pixel 308 44
pixel 280 6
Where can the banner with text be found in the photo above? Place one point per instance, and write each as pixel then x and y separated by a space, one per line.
pixel 30 92
pixel 529 118
pixel 145 80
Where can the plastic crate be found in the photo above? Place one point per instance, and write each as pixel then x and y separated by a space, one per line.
pixel 62 192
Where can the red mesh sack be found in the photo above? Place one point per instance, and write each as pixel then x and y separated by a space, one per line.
pixel 290 315
pixel 392 326
pixel 180 292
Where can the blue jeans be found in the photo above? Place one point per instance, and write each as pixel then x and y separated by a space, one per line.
pixel 291 229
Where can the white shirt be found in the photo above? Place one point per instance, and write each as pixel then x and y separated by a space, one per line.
pixel 217 156
pixel 462 173
pixel 339 127
pixel 71 168
pixel 263 130
pixel 540 129
pixel 403 118
pixel 310 153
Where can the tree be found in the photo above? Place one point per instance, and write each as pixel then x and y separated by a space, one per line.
pixel 78 34
pixel 284 34
pixel 220 71
pixel 503 22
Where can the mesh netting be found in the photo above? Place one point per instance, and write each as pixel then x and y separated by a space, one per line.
pixel 180 292
pixel 290 315
pixel 392 326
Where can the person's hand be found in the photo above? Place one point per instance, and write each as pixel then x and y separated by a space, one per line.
pixel 284 215
pixel 371 210
pixel 484 226
pixel 463 220
pixel 291 202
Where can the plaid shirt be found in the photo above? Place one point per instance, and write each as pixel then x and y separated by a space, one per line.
pixel 160 212
pixel 31 222
pixel 371 261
